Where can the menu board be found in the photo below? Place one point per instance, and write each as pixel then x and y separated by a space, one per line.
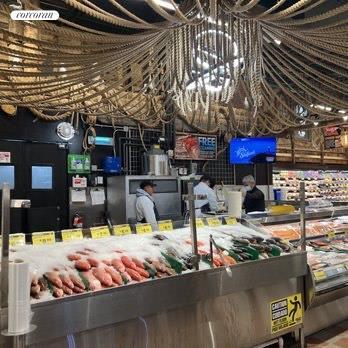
pixel 195 147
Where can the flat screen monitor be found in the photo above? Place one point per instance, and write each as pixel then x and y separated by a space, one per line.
pixel 253 150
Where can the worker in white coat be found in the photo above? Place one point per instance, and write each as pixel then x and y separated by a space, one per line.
pixel 209 204
pixel 146 210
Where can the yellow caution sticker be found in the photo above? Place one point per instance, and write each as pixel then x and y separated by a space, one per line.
pixel 17 239
pixel 230 220
pixel 213 222
pixel 69 235
pixel 165 225
pixel 199 223
pixel 286 312
pixel 122 230
pixel 42 238
pixel 100 232
pixel 143 228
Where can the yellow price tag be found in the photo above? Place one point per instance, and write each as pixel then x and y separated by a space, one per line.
pixel 17 239
pixel 199 223
pixel 213 222
pixel 68 235
pixel 41 238
pixel 122 230
pixel 165 225
pixel 100 232
pixel 319 275
pixel 230 220
pixel 143 228
pixel 331 235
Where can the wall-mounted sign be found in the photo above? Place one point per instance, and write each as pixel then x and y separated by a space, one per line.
pixel 5 157
pixel 332 131
pixel 78 182
pixel 332 143
pixel 79 164
pixel 195 147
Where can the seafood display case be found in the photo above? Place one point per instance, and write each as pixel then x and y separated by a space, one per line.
pixel 327 256
pixel 132 290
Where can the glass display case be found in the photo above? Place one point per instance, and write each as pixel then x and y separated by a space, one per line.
pixel 327 257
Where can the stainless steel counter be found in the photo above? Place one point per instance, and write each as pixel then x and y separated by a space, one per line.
pixel 179 299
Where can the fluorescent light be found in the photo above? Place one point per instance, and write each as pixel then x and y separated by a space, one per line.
pixel 165 4
pixel 345 118
pixel 321 107
pixel 342 111
pixel 277 42
pixel 205 65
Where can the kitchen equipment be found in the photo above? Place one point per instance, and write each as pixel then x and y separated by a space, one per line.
pixel 158 161
pixel 121 197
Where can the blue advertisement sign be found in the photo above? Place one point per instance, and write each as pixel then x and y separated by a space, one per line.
pixel 252 150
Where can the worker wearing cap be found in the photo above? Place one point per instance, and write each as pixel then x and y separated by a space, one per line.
pixel 146 210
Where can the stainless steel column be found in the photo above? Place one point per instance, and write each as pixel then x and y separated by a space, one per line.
pixel 303 248
pixel 303 215
pixel 5 233
pixel 193 226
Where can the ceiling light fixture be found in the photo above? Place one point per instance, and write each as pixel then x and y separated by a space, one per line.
pixel 315 123
pixel 345 118
pixel 321 107
pixel 342 111
pixel 165 4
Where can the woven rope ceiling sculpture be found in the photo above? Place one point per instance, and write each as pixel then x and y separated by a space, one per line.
pixel 230 65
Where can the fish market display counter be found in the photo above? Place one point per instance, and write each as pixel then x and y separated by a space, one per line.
pixel 327 254
pixel 228 302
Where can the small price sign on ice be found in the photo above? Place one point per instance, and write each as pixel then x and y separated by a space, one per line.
pixel 41 238
pixel 122 230
pixel 68 235
pixel 331 235
pixel 199 222
pixel 143 228
pixel 17 239
pixel 165 225
pixel 213 222
pixel 100 232
pixel 319 275
pixel 230 220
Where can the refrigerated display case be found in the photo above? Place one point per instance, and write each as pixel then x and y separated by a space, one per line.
pixel 223 304
pixel 327 255
pixel 324 185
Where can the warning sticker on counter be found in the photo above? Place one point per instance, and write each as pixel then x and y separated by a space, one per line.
pixel 286 312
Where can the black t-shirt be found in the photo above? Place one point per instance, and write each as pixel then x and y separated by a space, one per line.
pixel 254 200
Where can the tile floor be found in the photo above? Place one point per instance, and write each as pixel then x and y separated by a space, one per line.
pixel 333 337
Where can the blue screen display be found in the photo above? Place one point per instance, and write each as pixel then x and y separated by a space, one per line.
pixel 252 150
